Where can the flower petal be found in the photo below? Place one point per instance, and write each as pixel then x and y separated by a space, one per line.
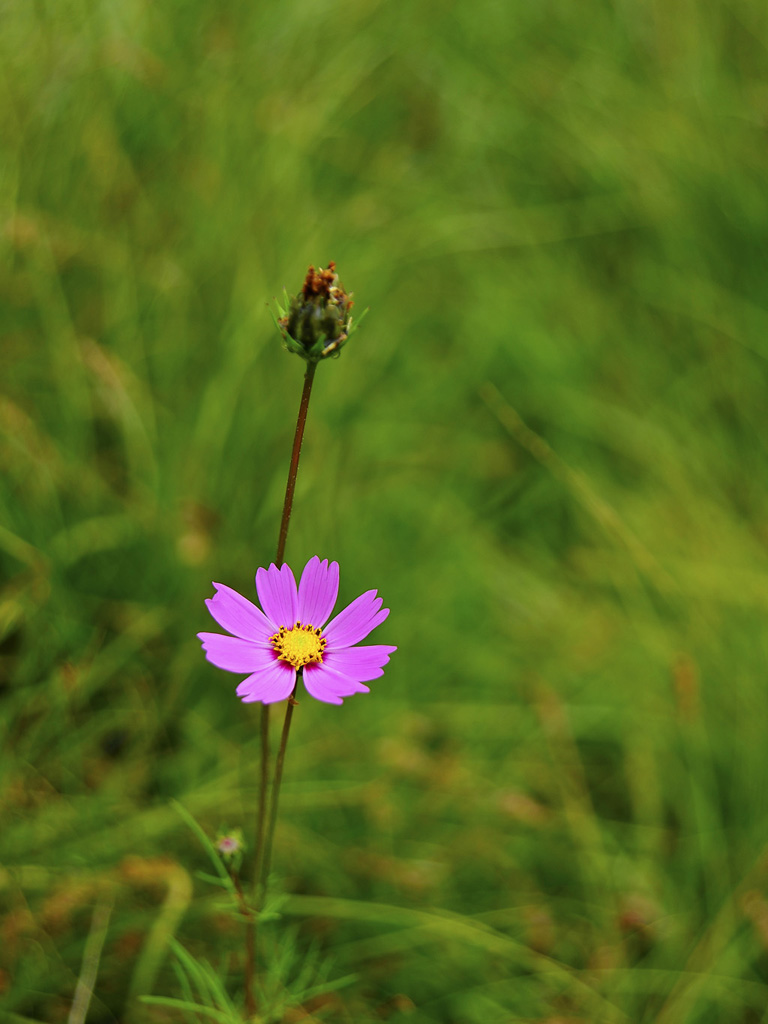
pixel 359 663
pixel 318 590
pixel 316 687
pixel 238 615
pixel 277 592
pixel 329 686
pixel 270 685
pixel 233 654
pixel 356 621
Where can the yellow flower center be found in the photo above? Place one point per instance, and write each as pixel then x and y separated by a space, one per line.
pixel 299 645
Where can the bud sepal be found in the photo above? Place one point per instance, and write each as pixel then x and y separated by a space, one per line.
pixel 230 846
pixel 317 323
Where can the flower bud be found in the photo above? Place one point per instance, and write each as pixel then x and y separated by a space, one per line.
pixel 230 847
pixel 317 321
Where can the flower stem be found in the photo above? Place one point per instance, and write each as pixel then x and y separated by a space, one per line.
pixel 309 376
pixel 264 853
pixel 267 859
pixel 250 945
pixel 261 814
pixel 290 487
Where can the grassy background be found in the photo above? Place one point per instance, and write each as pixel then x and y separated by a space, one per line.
pixel 546 447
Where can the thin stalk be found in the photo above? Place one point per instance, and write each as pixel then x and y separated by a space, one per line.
pixel 250 945
pixel 267 859
pixel 290 487
pixel 261 813
pixel 264 852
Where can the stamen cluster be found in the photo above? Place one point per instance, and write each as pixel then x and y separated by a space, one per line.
pixel 300 645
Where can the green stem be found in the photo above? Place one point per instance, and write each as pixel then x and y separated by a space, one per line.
pixel 262 863
pixel 290 487
pixel 261 814
pixel 250 945
pixel 267 860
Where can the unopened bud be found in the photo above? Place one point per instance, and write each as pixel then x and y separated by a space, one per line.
pixel 230 846
pixel 317 321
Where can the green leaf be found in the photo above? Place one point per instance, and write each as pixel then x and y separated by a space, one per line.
pixel 209 847
pixel 210 1012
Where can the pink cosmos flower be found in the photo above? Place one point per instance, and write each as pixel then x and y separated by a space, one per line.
pixel 291 635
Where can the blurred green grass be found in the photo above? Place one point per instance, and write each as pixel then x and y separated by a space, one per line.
pixel 546 448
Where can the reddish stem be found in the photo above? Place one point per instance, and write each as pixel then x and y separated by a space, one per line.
pixel 261 867
pixel 309 376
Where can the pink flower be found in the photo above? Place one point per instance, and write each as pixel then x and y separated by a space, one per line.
pixel 291 635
